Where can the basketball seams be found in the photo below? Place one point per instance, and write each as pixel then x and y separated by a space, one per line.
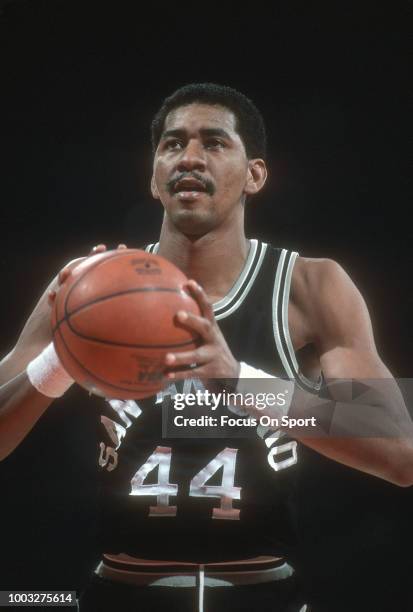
pixel 73 343
pixel 67 316
pixel 114 255
pixel 88 269
pixel 94 376
pixel 66 319
pixel 127 345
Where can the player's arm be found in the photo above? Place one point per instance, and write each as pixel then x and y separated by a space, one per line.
pixel 373 432
pixel 36 333
pixel 21 404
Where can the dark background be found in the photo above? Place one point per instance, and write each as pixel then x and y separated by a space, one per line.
pixel 80 83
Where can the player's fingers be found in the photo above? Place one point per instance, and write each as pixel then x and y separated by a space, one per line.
pixel 197 372
pixel 200 325
pixel 63 275
pixel 199 356
pixel 122 246
pixel 51 297
pixel 99 248
pixel 201 297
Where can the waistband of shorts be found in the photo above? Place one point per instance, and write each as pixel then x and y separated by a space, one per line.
pixel 140 572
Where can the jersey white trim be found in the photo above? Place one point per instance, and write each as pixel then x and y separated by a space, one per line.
pixel 281 297
pixel 239 291
pixel 225 302
pixel 275 301
pixel 315 384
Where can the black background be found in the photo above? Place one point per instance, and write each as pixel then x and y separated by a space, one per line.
pixel 80 83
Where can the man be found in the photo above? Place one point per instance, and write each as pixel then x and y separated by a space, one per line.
pixel 265 314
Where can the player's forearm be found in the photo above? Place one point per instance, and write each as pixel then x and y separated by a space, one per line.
pixel 16 362
pixel 362 424
pixel 391 460
pixel 372 433
pixel 34 337
pixel 21 405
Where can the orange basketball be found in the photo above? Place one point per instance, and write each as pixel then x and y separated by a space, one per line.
pixel 113 322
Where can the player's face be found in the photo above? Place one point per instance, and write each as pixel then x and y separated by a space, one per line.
pixel 201 172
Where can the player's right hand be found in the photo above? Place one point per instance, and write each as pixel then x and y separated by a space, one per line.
pixel 37 331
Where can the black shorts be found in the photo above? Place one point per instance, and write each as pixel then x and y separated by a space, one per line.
pixel 103 595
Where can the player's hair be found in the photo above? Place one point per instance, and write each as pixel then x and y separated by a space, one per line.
pixel 249 122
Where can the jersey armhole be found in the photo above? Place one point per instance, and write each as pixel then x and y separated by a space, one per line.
pixel 282 337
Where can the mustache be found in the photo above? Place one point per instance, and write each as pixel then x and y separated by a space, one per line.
pixel 207 184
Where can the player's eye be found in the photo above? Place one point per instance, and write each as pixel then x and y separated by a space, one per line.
pixel 173 144
pixel 214 143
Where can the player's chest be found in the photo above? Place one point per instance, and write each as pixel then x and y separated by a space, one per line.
pixel 214 477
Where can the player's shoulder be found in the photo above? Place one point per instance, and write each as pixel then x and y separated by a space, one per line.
pixel 320 280
pixel 312 273
pixel 324 298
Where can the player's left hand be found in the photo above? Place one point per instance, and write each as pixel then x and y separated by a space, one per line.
pixel 213 359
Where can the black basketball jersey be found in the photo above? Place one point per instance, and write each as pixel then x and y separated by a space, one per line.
pixel 208 499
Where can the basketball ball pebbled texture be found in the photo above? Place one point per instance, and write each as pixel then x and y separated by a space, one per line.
pixel 113 322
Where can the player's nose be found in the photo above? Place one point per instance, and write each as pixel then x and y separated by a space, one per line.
pixel 192 157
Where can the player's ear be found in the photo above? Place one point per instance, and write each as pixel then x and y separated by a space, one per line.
pixel 256 177
pixel 154 189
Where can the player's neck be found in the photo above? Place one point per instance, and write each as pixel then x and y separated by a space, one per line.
pixel 214 260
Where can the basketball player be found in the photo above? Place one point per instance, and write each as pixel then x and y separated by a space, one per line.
pixel 210 518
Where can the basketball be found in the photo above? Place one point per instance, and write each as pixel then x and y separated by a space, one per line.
pixel 113 322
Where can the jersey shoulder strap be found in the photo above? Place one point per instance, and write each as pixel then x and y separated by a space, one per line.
pixel 280 301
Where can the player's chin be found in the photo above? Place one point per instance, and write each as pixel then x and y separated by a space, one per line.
pixel 193 222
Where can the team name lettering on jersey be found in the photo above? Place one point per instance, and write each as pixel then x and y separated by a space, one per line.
pixel 271 441
pixel 190 385
pixel 108 457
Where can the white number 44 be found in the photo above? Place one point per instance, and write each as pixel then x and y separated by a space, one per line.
pixel 163 489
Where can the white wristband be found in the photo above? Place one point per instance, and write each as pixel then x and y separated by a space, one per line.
pixel 47 374
pixel 280 394
pixel 247 371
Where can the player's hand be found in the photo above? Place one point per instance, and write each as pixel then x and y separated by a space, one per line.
pixel 37 331
pixel 213 359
